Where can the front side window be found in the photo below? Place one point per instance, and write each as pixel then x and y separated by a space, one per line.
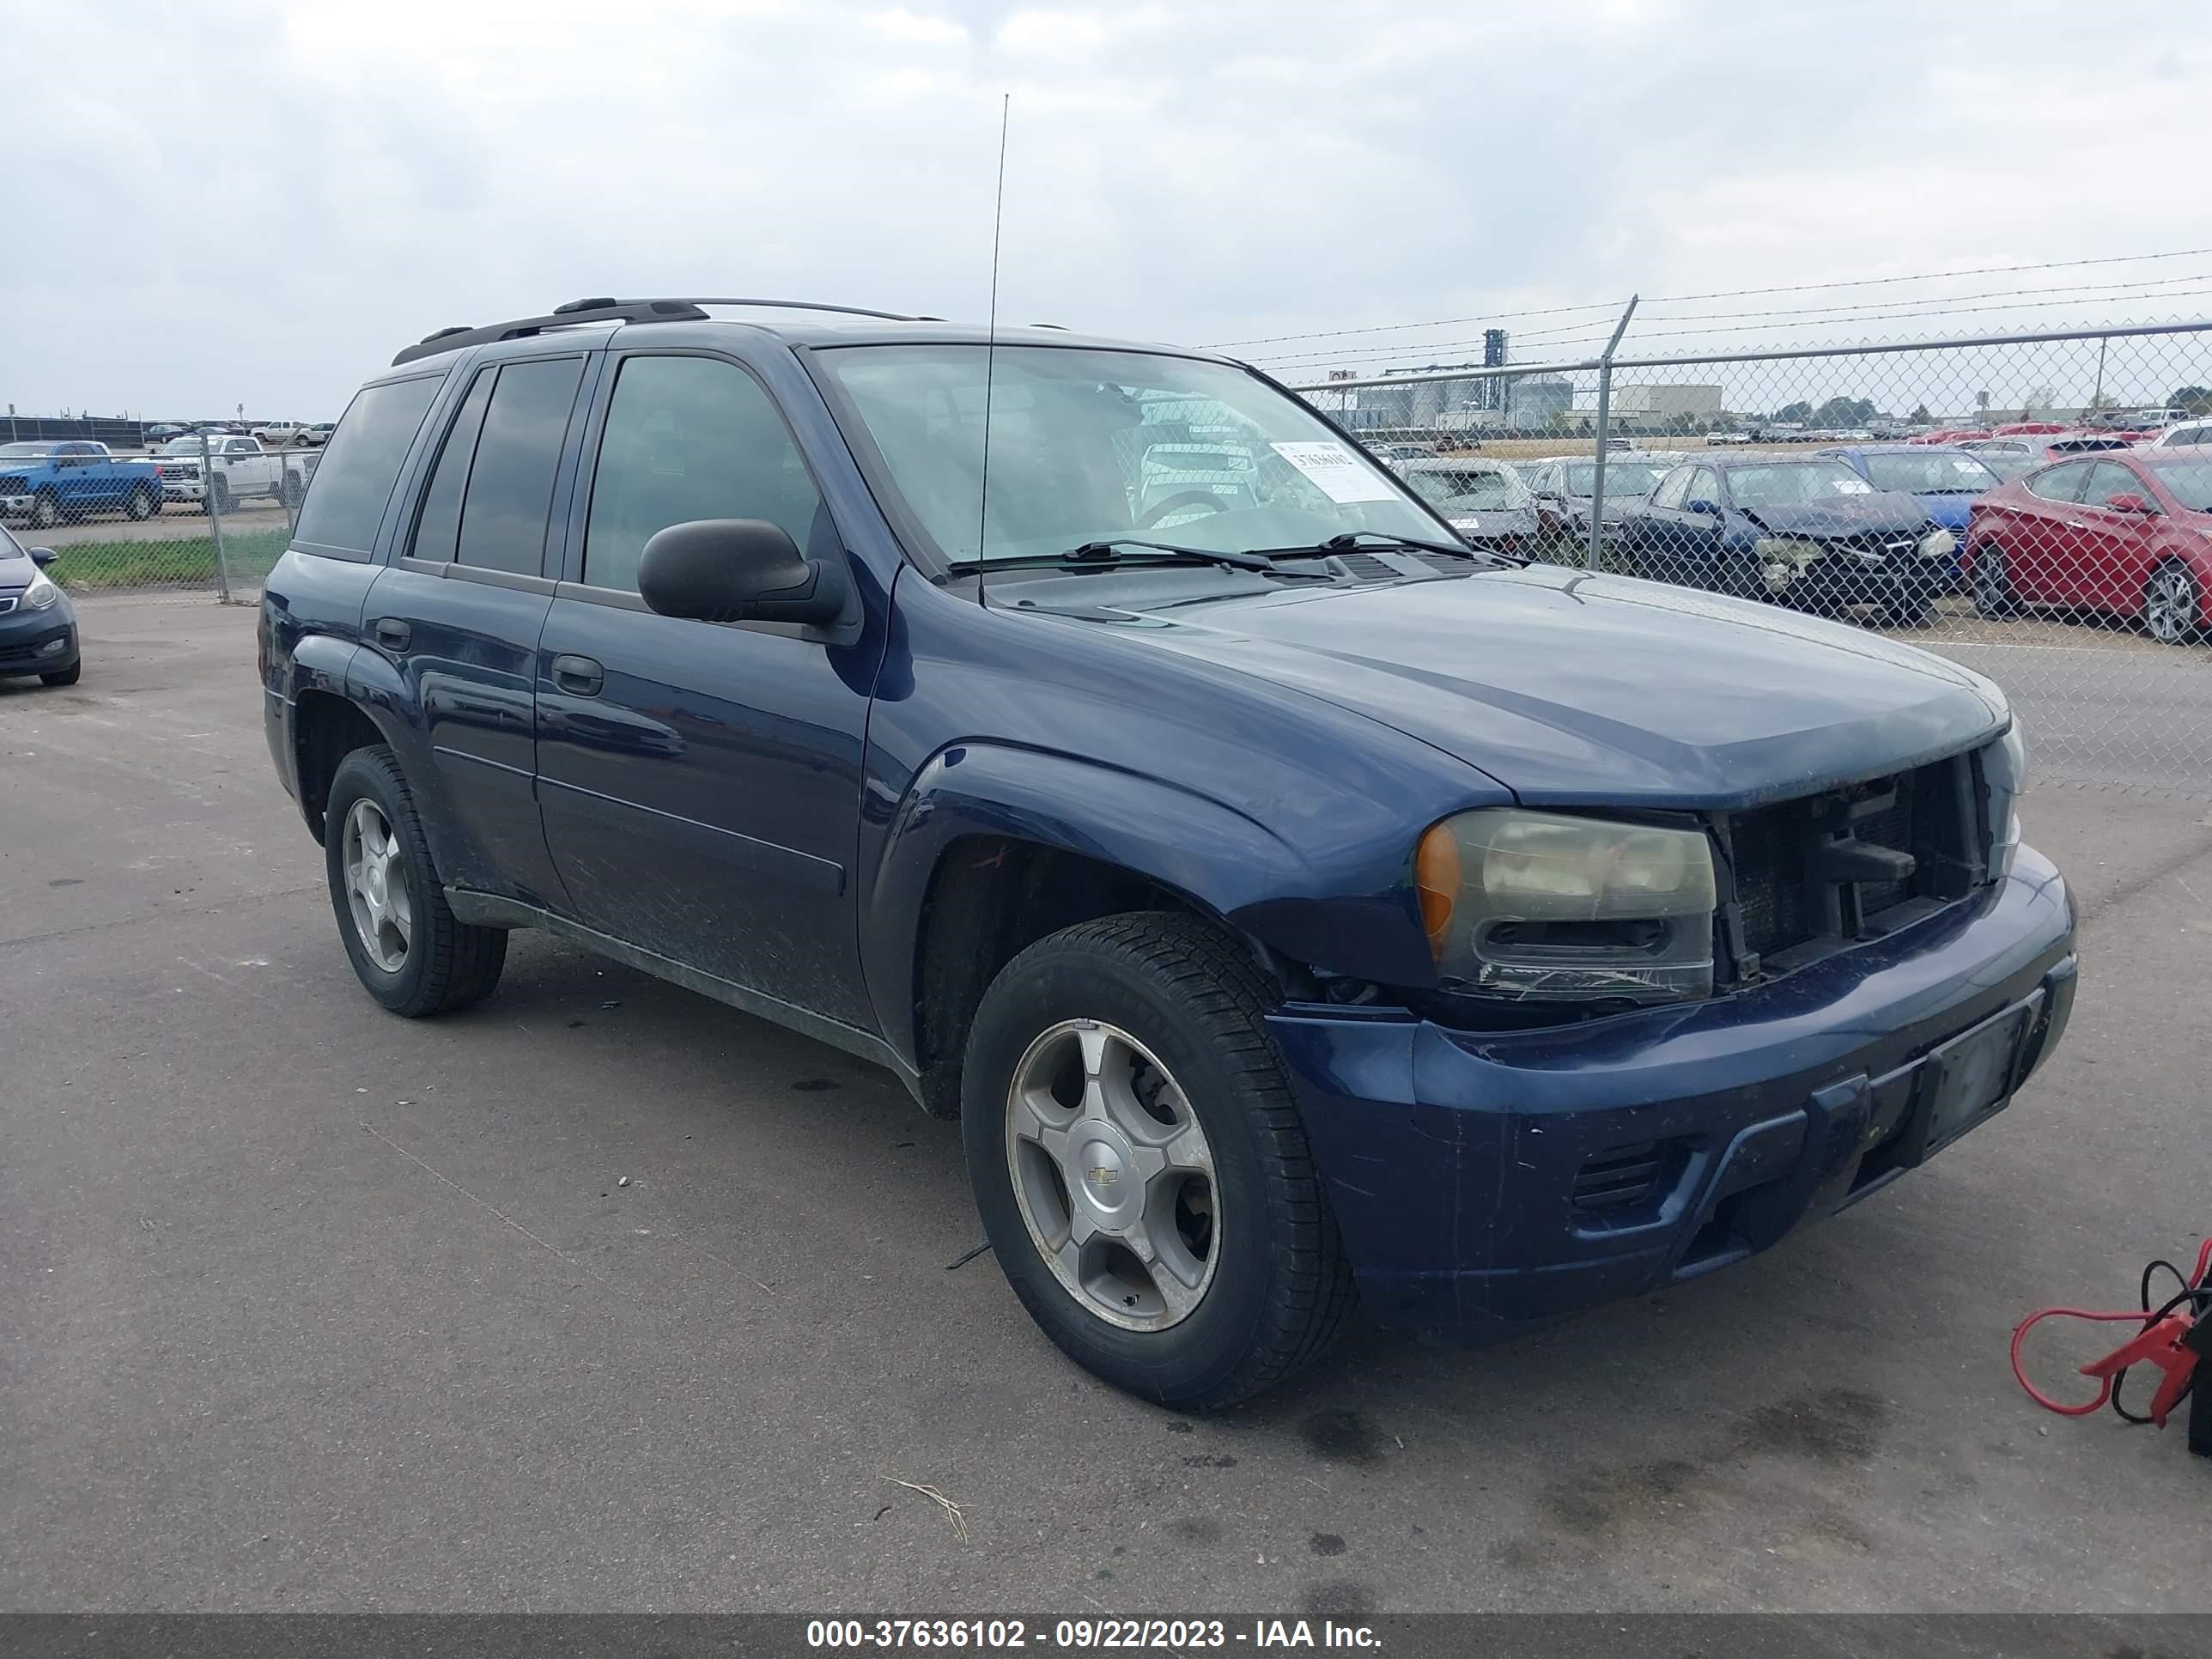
pixel 2108 479
pixel 1675 489
pixel 689 438
pixel 1091 445
pixel 360 464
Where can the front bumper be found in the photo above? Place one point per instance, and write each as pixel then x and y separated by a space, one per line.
pixel 1844 576
pixel 182 489
pixel 1486 1182
pixel 38 641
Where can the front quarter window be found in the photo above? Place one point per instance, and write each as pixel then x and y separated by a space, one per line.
pixel 1089 446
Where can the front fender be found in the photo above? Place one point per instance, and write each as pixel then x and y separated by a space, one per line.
pixel 1222 861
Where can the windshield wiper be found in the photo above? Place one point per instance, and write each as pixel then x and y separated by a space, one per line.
pixel 1351 540
pixel 1107 551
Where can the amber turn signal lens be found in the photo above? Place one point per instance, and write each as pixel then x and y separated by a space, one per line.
pixel 1436 876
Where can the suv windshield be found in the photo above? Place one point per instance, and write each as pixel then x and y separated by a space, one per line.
pixel 1793 483
pixel 1930 475
pixel 1087 446
pixel 1469 489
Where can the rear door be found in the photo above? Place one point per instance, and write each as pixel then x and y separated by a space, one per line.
pixel 459 611
pixel 701 781
pixel 2042 537
pixel 2116 550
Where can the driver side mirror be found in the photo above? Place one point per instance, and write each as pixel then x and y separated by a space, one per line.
pixel 726 570
pixel 2129 503
pixel 42 556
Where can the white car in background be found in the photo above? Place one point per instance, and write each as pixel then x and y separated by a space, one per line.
pixel 2195 431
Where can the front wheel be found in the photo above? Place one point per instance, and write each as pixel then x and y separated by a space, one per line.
pixel 143 504
pixel 406 945
pixel 2173 606
pixel 1140 1168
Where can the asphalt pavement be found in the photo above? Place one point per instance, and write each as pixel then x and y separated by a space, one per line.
pixel 604 1296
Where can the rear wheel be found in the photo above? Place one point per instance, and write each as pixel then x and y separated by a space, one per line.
pixel 45 511
pixel 1994 598
pixel 406 945
pixel 1139 1166
pixel 2172 606
pixel 143 504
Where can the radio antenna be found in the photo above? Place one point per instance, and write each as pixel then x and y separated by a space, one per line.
pixel 991 350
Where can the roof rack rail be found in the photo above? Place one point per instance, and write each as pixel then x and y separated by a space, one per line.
pixel 604 310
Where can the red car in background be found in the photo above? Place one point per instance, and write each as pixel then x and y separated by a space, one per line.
pixel 2125 532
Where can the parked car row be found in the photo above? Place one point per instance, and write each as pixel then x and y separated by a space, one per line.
pixel 46 482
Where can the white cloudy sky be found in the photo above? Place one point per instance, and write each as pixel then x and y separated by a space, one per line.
pixel 229 202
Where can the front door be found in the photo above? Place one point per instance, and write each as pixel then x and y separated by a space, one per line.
pixel 2117 549
pixel 701 781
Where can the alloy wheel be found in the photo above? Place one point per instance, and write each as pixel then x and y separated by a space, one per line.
pixel 1112 1175
pixel 376 886
pixel 2170 606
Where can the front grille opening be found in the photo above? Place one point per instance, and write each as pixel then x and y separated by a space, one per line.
pixel 1625 1178
pixel 1783 860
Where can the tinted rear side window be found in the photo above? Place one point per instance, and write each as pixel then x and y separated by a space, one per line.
pixel 511 483
pixel 353 481
pixel 438 530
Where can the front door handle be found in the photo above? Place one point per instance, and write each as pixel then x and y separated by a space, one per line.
pixel 579 676
pixel 392 633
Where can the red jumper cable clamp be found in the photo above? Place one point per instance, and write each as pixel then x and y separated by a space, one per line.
pixel 2174 1338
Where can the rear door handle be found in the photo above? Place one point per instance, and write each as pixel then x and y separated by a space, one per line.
pixel 579 676
pixel 394 633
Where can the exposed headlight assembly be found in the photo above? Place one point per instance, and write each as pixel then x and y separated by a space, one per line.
pixel 1541 906
pixel 2004 775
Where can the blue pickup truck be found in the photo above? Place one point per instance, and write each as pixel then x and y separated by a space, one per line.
pixel 50 480
pixel 1289 899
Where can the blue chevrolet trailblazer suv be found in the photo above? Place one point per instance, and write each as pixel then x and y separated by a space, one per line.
pixel 1288 899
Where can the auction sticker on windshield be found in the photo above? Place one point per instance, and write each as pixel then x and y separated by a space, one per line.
pixel 1335 471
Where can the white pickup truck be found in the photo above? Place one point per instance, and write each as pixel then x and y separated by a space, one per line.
pixel 242 470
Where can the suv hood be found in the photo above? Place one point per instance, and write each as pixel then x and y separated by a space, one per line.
pixel 1571 688
pixel 1880 512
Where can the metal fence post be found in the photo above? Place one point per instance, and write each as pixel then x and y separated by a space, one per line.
pixel 215 520
pixel 1604 420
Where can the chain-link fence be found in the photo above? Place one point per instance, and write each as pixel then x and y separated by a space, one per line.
pixel 2037 507
pixel 198 513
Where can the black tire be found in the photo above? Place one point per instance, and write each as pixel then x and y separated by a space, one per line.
pixel 1281 1286
pixel 45 511
pixel 293 492
pixel 1994 599
pixel 448 963
pixel 1736 577
pixel 218 495
pixel 68 676
pixel 143 503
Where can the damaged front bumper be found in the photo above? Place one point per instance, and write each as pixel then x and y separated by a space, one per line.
pixel 1489 1182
